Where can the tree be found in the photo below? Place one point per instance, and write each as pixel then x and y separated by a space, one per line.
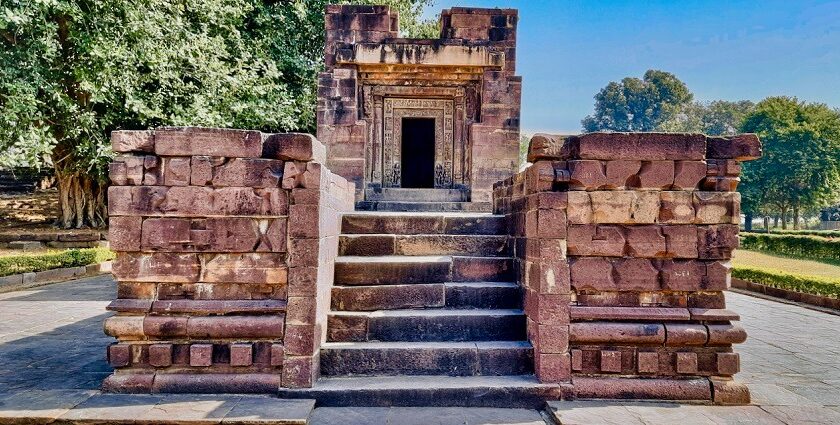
pixel 800 168
pixel 71 71
pixel 716 118
pixel 638 105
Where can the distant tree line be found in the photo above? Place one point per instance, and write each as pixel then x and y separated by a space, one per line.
pixel 800 170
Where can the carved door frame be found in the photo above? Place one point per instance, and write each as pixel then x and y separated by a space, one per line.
pixel 394 110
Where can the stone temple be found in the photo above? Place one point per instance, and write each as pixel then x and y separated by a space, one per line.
pixel 400 259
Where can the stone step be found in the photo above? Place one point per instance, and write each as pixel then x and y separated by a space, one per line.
pixel 400 194
pixel 494 295
pixel 427 358
pixel 426 325
pixel 475 245
pixel 395 223
pixel 394 270
pixel 463 391
pixel 423 206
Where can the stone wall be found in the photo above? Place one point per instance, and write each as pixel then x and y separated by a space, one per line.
pixel 219 236
pixel 469 71
pixel 622 244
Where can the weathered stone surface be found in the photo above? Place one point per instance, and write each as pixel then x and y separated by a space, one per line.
pixel 261 268
pixel 369 298
pixel 124 233
pixel 655 175
pixel 124 141
pixel 294 147
pixel 595 240
pixel 641 146
pixel 156 267
pixel 742 147
pixel 176 171
pixel 190 141
pixel 617 333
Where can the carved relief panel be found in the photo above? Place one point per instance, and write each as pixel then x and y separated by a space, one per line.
pixel 394 110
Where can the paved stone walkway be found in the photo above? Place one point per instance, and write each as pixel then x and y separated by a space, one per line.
pixel 52 359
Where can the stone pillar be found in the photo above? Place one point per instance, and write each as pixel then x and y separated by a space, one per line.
pixel 623 246
pixel 218 235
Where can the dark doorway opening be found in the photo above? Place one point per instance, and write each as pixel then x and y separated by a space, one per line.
pixel 417 161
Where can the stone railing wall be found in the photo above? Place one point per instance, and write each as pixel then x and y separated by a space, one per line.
pixel 622 244
pixel 219 236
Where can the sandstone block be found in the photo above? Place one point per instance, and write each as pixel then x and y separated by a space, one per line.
pixel 655 175
pixel 636 274
pixel 680 241
pixel 550 146
pixel 742 147
pixel 152 171
pixel 648 362
pixel 123 141
pixel 241 354
pixel 641 146
pixel 687 363
pixel 728 363
pixel 277 353
pixel 301 340
pixel 595 240
pixel 539 177
pixel 119 355
pixel 303 281
pixel 160 355
pixel 551 223
pixel 718 275
pixel 124 233
pixel 621 173
pixel 717 242
pixel 617 333
pixel 646 241
pixel 683 275
pixel 717 207
pixel 190 141
pixel 128 170
pixel 681 334
pixel 576 359
pixel 579 210
pixel 176 171
pixel 676 208
pixel 301 311
pixel 165 326
pixel 610 361
pixel 294 147
pixel 118 173
pixel 303 253
pixel 304 221
pixel 300 371
pixel 247 172
pixel 547 309
pixel 688 174
pixel 156 267
pixel 624 207
pixel 726 334
pixel 250 201
pixel 201 355
pixel 727 391
pixel 124 327
pixel 201 170
pixel 264 268
pixel 551 368
pixel 592 273
pixel 586 175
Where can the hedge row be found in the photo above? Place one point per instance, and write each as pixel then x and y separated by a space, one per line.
pixel 17 264
pixel 794 282
pixel 823 233
pixel 812 247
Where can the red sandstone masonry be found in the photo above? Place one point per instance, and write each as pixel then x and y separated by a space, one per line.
pixel 628 301
pixel 219 235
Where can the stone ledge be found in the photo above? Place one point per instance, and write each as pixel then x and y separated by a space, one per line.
pixel 18 282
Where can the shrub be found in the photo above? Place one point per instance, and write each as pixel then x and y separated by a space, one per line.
pixel 813 247
pixel 823 233
pixel 795 282
pixel 39 262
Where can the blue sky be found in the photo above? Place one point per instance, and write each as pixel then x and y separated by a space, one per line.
pixel 732 50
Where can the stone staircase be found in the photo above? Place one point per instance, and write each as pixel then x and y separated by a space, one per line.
pixel 424 306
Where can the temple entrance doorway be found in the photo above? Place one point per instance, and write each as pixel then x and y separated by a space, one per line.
pixel 417 159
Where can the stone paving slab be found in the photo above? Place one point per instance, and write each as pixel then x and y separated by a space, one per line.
pixel 642 413
pixel 92 407
pixel 424 416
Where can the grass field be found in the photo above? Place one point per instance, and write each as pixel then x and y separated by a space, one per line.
pixel 785 264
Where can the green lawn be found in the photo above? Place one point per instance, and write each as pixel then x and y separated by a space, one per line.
pixel 785 264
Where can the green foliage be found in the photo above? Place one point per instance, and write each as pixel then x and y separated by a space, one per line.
pixel 638 105
pixel 803 246
pixel 820 233
pixel 800 168
pixel 716 118
pixel 795 282
pixel 39 262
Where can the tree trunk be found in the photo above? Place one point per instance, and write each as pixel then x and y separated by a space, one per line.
pixel 748 219
pixel 775 221
pixel 784 219
pixel 81 196
pixel 766 224
pixel 796 216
